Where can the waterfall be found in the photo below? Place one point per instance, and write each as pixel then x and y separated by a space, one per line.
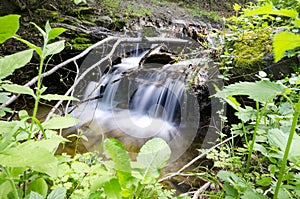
pixel 137 104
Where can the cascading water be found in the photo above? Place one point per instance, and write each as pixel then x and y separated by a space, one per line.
pixel 134 104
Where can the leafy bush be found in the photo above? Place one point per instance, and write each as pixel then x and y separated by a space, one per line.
pixel 266 163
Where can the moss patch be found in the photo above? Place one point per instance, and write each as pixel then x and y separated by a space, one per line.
pixel 249 49
pixel 80 43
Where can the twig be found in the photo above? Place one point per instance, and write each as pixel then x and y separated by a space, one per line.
pixel 195 159
pixel 54 69
pixel 200 190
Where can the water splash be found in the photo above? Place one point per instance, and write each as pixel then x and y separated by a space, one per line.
pixel 141 103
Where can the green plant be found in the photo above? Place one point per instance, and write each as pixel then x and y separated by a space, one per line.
pixel 87 176
pixel 269 131
pixel 24 158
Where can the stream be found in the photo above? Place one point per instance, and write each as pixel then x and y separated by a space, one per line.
pixel 139 95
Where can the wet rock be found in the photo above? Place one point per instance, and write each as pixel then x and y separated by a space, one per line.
pixel 157 57
pixel 104 21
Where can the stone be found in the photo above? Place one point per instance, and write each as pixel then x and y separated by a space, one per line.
pixel 104 21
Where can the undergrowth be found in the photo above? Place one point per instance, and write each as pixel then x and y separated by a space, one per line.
pixel 263 158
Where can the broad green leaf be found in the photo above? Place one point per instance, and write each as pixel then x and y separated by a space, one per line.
pixel 269 10
pixel 58 193
pixel 28 154
pixel 35 195
pixel 50 97
pixel 80 167
pixel 15 88
pixel 225 175
pixel 4 96
pixel 284 41
pixel 285 108
pixel 54 48
pixel 231 192
pixel 9 26
pixel 261 91
pixel 120 157
pixel 246 114
pixel 59 122
pixel 38 186
pixel 10 63
pixel 55 32
pixel 37 49
pixel 5 189
pixel 49 144
pixel 250 194
pixel 283 194
pixel 7 127
pixel 278 139
pixel 4 110
pixel 153 155
pixel 266 181
pixel 112 189
pixel 260 148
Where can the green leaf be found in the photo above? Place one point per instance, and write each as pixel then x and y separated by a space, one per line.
pixel 278 139
pixel 59 122
pixel 261 91
pixel 80 167
pixel 112 189
pixel 48 29
pixel 10 63
pixel 230 191
pixel 236 7
pixel 266 181
pixel 5 189
pixel 28 154
pixel 37 49
pixel 4 110
pixel 23 114
pixel 268 9
pixel 246 114
pixel 50 97
pixel 297 22
pixel 58 193
pixel 38 186
pixel 284 41
pixel 15 88
pixel 4 96
pixel 120 157
pixel 39 29
pixel 54 48
pixel 9 26
pixel 250 194
pixel 55 32
pixel 153 156
pixel 35 195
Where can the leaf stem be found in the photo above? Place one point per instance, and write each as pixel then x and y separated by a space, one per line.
pixel 12 183
pixel 258 118
pixel 287 149
pixel 38 94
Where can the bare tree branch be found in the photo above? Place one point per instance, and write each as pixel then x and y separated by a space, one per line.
pixel 86 51
pixel 195 159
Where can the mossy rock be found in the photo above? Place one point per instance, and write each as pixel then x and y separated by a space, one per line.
pixel 81 42
pixel 249 50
